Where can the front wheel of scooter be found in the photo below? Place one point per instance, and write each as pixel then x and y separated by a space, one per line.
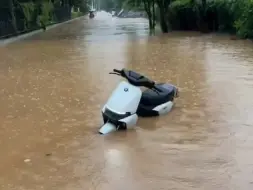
pixel 107 128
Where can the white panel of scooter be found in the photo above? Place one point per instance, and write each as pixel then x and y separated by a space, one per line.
pixel 164 108
pixel 125 98
pixel 130 121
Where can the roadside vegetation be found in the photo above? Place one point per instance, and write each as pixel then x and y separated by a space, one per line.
pixel 231 16
pixel 24 15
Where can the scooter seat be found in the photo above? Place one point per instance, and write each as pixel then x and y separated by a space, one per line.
pixel 153 98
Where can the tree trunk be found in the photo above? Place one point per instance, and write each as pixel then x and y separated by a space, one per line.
pixel 163 6
pixel 153 14
pixel 13 16
pixel 163 22
pixel 148 9
pixel 204 4
pixel 203 24
pixel 151 23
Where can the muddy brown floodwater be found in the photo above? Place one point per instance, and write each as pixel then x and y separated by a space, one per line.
pixel 54 84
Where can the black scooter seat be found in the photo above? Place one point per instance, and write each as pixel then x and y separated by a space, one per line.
pixel 153 98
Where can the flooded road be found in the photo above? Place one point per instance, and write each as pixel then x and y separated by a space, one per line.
pixel 54 84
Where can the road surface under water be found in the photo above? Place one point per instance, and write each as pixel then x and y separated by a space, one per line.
pixel 54 84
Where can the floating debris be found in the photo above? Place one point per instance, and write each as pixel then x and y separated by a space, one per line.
pixel 27 160
pixel 48 154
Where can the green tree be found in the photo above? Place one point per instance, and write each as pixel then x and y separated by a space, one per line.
pixel 10 6
pixel 13 15
pixel 149 7
pixel 163 6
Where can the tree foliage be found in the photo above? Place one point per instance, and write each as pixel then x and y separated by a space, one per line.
pixel 152 8
pixel 33 13
pixel 215 15
pixel 218 15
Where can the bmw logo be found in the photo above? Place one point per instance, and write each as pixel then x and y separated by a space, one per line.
pixel 126 89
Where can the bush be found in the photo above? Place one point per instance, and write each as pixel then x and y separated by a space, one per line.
pixel 46 16
pixel 183 15
pixel 218 15
pixel 37 15
pixel 28 10
pixel 244 21
pixel 221 11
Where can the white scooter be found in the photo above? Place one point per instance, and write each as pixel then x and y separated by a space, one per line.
pixel 127 101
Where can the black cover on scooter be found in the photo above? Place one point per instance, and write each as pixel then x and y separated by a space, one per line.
pixel 151 99
pixel 137 79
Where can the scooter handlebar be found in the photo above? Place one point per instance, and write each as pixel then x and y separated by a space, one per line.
pixel 117 71
pixel 150 85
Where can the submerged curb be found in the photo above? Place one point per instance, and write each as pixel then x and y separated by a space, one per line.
pixel 4 42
